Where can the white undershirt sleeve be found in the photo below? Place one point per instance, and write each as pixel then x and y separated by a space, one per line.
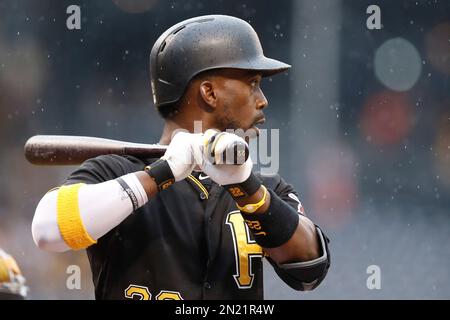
pixel 102 207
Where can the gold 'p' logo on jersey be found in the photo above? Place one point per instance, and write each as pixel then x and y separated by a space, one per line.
pixel 244 250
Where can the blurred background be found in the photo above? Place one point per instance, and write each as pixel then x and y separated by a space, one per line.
pixel 364 120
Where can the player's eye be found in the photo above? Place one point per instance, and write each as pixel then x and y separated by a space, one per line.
pixel 254 82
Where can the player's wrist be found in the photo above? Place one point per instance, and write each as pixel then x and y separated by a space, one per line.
pixel 147 183
pixel 161 173
pixel 275 225
pixel 244 189
pixel 256 203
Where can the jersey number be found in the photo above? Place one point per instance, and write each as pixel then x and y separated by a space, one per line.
pixel 142 293
pixel 244 250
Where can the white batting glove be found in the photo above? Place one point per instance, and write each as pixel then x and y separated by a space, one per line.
pixel 214 164
pixel 184 153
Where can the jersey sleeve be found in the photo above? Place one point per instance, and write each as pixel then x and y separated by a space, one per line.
pixel 286 192
pixel 100 169
pixel 303 276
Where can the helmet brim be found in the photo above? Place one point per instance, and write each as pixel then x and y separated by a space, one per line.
pixel 267 66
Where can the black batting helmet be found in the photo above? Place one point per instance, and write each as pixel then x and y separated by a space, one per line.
pixel 204 43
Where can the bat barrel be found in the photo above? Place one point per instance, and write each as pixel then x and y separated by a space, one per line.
pixel 74 150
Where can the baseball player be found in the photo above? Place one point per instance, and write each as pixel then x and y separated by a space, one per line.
pixel 189 225
pixel 12 282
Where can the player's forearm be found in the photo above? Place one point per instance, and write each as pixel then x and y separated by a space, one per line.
pixel 303 245
pixel 255 198
pixel 147 183
pixel 74 217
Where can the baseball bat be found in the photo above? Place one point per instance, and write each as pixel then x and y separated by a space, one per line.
pixel 73 150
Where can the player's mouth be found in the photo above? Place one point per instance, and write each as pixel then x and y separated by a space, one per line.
pixel 259 121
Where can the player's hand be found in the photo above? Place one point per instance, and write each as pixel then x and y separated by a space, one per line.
pixel 220 168
pixel 184 153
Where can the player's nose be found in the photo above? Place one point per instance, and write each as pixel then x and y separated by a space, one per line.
pixel 261 101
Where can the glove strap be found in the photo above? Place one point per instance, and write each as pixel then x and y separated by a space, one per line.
pixel 161 173
pixel 244 189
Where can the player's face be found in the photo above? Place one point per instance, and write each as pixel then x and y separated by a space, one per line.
pixel 240 100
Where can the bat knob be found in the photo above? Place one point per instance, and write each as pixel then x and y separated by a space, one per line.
pixel 236 153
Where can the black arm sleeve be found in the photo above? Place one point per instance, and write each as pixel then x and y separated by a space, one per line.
pixel 305 275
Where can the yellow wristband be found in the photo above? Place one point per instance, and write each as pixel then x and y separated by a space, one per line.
pixel 252 207
pixel 69 220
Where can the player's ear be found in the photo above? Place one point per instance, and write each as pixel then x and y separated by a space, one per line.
pixel 208 93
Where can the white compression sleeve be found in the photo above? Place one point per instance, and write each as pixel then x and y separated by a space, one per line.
pixel 102 207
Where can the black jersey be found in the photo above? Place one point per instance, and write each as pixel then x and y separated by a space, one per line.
pixel 188 242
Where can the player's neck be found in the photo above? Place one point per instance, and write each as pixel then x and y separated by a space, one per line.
pixel 169 127
pixel 193 126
